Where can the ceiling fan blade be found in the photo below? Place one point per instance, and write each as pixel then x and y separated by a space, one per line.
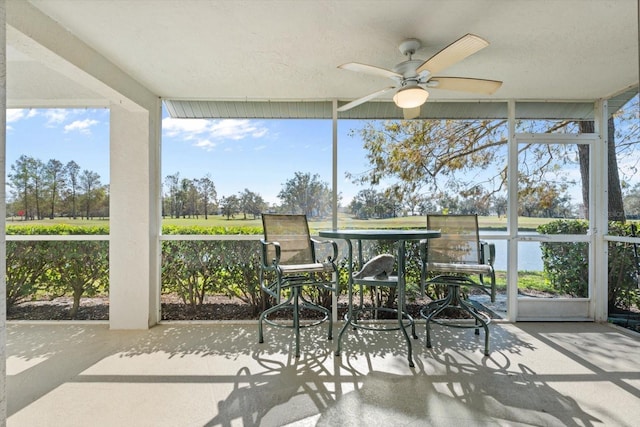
pixel 481 86
pixel 411 113
pixel 370 69
pixel 457 51
pixel 364 99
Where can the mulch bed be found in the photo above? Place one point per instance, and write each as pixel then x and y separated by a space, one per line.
pixel 214 308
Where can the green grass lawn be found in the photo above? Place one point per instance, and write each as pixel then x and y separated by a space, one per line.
pixel 15 222
pixel 344 221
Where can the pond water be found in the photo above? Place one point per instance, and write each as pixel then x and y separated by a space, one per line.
pixel 529 255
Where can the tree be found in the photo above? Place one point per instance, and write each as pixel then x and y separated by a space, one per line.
pixel 38 185
pixel 549 202
pixel 500 204
pixel 21 180
pixel 429 155
pixel 632 201
pixel 172 182
pixel 417 152
pixel 55 181
pixel 614 190
pixel 426 205
pixel 72 173
pixel 89 183
pixel 28 181
pixel 191 196
pixel 230 206
pixel 306 194
pixel 363 205
pixel 251 203
pixel 207 191
pixel 476 200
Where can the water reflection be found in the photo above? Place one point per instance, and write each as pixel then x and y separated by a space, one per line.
pixel 529 255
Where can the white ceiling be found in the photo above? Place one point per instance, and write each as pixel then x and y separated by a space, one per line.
pixel 289 50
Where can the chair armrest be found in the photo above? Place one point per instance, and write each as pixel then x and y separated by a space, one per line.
pixel 487 252
pixel 330 258
pixel 265 244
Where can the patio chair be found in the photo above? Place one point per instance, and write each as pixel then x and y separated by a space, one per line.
pixel 289 265
pixel 460 253
pixel 457 259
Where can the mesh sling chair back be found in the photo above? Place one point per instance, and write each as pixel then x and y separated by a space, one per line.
pixel 458 258
pixel 289 264
pixel 459 252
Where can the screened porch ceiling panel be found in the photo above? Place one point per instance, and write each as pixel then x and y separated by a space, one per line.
pixel 199 109
pixel 280 58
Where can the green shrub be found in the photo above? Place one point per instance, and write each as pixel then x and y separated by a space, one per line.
pixel 195 269
pixel 566 264
pixel 27 265
pixel 79 268
pixel 56 268
pixel 622 270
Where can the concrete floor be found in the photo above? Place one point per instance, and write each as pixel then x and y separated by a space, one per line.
pixel 215 374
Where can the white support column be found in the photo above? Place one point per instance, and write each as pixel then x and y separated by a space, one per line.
pixel 599 214
pixel 334 164
pixel 3 215
pixel 334 208
pixel 134 244
pixel 512 215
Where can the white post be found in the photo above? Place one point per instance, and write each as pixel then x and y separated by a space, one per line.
pixel 599 214
pixel 334 115
pixel 3 215
pixel 334 210
pixel 134 244
pixel 512 215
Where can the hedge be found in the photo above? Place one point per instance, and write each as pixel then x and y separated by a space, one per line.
pixel 195 269
pixel 565 264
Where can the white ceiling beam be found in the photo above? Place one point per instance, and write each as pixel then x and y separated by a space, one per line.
pixel 40 38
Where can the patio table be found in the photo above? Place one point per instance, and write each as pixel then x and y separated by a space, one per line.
pixel 401 236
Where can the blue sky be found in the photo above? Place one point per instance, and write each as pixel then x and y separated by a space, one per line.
pixel 259 155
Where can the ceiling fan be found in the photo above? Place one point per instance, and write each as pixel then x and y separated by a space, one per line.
pixel 413 76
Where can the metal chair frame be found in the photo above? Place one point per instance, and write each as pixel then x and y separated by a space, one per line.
pixel 456 256
pixel 458 252
pixel 288 265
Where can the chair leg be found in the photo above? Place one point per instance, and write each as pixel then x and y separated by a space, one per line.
pixel 260 329
pixel 428 313
pixel 296 318
pixel 267 312
pixel 295 302
pixel 453 299
pixel 482 322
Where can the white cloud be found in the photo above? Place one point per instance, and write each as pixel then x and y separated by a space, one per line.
pixel 80 125
pixel 17 114
pixel 206 132
pixel 14 114
pixel 55 116
pixel 206 144
pixel 187 128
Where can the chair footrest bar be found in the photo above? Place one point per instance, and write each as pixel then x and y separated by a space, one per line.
pixel 369 323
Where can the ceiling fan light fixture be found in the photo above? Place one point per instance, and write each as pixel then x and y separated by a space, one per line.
pixel 410 97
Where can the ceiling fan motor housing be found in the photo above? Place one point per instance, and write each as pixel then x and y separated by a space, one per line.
pixel 410 46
